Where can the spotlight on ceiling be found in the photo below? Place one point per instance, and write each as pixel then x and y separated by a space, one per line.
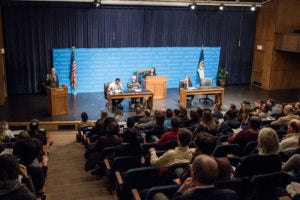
pixel 253 8
pixel 193 6
pixel 221 7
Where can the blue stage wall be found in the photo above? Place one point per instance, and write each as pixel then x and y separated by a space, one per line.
pixel 95 66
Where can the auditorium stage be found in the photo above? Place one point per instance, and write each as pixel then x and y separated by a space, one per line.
pixel 23 108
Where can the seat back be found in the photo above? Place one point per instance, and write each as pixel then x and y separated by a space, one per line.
pixel 124 163
pixel 105 88
pixel 168 190
pixel 235 184
pixel 268 186
pixel 250 148
pixel 226 150
pixel 205 82
pixel 141 178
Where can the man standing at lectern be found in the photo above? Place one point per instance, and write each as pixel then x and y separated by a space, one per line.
pixel 52 79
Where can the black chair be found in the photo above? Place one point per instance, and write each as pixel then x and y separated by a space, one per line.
pixel 227 150
pixel 168 190
pixel 120 164
pixel 250 148
pixel 173 172
pixel 106 85
pixel 134 180
pixel 235 184
pixel 267 186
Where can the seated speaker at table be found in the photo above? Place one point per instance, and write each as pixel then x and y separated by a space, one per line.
pixel 116 88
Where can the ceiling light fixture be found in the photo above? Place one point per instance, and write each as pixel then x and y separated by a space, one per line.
pixel 221 7
pixel 193 6
pixel 97 3
pixel 253 8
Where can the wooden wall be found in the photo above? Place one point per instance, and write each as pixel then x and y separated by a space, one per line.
pixel 3 92
pixel 274 68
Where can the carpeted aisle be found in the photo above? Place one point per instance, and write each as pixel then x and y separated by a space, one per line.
pixel 66 176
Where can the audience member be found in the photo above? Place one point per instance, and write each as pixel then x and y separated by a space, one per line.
pixel 138 114
pixel 288 116
pixel 207 124
pixel 176 112
pixel 193 121
pixel 217 111
pixel 7 133
pixel 231 122
pixel 200 185
pixel 297 108
pixel 116 87
pixel 84 121
pixel 154 133
pixel 10 187
pixel 170 136
pixel 248 135
pixel 291 141
pixel 205 144
pixel 36 132
pixel 181 154
pixel 99 126
pixel 167 122
pixel 266 161
pixel 119 116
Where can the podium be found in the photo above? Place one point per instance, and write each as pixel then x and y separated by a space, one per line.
pixel 57 101
pixel 157 84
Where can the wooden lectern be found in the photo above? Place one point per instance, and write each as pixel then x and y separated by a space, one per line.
pixel 57 101
pixel 157 84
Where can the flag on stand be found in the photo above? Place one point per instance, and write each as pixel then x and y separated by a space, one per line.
pixel 73 70
pixel 201 64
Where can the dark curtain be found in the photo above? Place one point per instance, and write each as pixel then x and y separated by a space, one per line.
pixel 33 29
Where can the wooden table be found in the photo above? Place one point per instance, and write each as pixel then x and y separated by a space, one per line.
pixel 146 94
pixel 218 91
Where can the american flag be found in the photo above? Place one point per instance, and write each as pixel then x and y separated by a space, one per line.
pixel 73 70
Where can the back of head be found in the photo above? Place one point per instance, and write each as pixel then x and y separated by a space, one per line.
pixel 113 128
pixel 194 115
pixel 294 126
pixel 184 136
pixel 254 122
pixel 34 125
pixel 169 113
pixel 147 112
pixel 206 143
pixel 268 142
pixel 130 122
pixel 204 170
pixel 159 117
pixel 103 114
pixel 23 136
pixel 176 112
pixel 288 108
pixel 225 168
pixel 232 114
pixel 107 121
pixel 84 116
pixel 138 110
pixel 9 167
pixel 175 122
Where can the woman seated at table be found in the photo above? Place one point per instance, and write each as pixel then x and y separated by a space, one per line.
pixel 186 83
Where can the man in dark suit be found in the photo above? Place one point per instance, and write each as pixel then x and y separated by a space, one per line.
pixel 52 79
pixel 200 185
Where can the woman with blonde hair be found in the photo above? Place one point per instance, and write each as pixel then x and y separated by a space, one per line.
pixel 266 161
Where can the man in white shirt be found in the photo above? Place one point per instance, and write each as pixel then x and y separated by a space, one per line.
pixel 115 88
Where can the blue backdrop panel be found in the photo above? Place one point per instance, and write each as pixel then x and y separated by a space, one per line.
pixel 95 66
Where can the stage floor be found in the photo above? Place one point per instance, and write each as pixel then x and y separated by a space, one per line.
pixel 23 108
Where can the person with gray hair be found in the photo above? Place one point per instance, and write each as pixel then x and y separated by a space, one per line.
pixel 288 116
pixel 266 161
